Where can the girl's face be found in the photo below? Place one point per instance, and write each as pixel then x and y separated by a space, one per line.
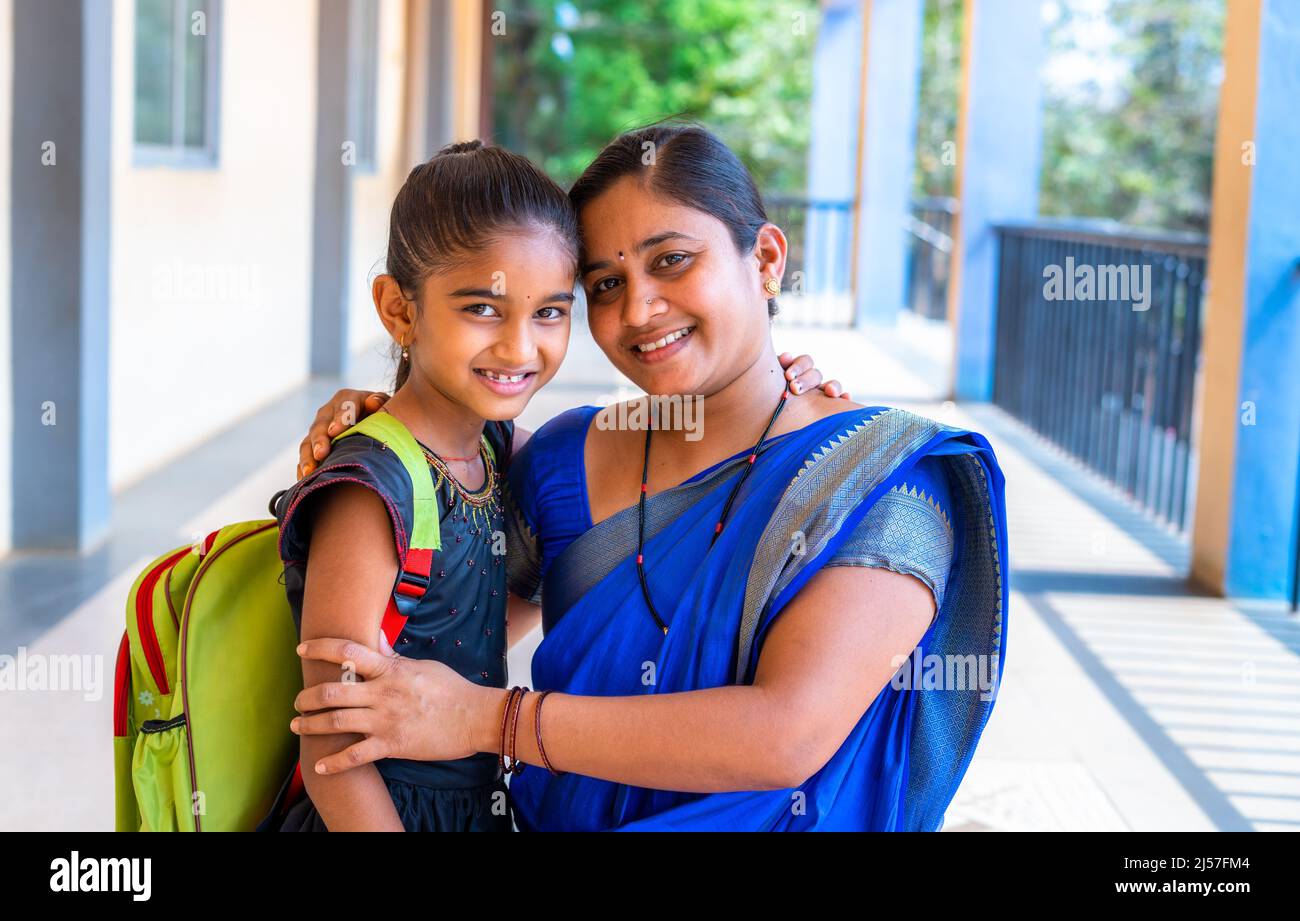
pixel 670 300
pixel 495 327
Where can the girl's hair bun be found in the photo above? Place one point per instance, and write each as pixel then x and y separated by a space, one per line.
pixel 461 147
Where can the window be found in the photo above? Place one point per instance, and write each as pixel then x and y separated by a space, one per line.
pixel 176 55
pixel 363 60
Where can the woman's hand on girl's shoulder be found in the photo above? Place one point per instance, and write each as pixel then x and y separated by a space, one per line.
pixel 344 410
pixel 801 376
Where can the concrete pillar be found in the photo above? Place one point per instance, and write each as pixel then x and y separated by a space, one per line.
pixel 332 194
pixel 60 207
pixel 1244 540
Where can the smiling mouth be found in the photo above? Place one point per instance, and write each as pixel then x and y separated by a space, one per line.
pixel 664 341
pixel 504 378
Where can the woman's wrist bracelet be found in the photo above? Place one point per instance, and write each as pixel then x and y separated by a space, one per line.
pixel 516 766
pixel 505 723
pixel 537 728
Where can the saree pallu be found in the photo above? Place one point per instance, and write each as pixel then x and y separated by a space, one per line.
pixel 901 764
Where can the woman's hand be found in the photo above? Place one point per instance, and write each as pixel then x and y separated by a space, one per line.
pixel 344 410
pixel 406 708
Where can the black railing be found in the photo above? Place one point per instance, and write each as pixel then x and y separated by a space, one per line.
pixel 818 263
pixel 1098 344
pixel 929 231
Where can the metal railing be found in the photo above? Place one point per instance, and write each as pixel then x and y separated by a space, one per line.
pixel 1098 345
pixel 929 256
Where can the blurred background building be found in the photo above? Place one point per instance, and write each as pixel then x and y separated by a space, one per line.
pixel 194 197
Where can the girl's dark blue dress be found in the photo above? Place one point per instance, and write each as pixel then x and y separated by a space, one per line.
pixel 460 621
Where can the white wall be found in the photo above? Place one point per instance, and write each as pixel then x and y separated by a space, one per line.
pixel 211 267
pixel 6 366
pixel 373 193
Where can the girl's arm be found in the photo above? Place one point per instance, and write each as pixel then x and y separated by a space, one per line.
pixel 351 568
pixel 824 661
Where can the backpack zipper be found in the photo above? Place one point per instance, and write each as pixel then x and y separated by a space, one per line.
pixel 185 625
pixel 144 621
pixel 123 681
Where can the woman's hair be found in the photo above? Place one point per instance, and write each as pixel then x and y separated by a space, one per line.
pixel 685 163
pixel 464 199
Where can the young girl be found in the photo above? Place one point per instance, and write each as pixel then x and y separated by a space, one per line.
pixel 480 276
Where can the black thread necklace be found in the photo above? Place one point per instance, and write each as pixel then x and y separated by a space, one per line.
pixel 726 508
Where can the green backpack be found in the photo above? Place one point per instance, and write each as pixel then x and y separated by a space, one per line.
pixel 207 670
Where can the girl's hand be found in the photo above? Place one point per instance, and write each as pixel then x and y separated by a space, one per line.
pixel 406 708
pixel 344 410
pixel 801 376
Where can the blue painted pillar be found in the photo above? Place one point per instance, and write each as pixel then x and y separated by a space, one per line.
pixel 866 74
pixel 1248 501
pixel 999 150
pixel 887 135
pixel 832 149
pixel 60 207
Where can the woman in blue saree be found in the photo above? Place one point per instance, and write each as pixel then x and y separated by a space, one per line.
pixel 795 630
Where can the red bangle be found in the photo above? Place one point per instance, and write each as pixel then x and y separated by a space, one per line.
pixel 537 726
pixel 505 721
pixel 516 766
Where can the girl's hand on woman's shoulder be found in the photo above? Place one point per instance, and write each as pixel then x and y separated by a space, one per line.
pixel 802 376
pixel 344 410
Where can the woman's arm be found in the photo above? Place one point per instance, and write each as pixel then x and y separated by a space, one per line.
pixel 824 661
pixel 351 568
pixel 348 407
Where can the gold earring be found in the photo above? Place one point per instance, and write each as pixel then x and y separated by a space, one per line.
pixel 772 287
pixel 406 355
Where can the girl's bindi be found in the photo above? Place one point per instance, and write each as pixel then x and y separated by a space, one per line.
pixel 620 254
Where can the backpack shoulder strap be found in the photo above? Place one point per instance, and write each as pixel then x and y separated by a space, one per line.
pixel 386 429
pixel 426 532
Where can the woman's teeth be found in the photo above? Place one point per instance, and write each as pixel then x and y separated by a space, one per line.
pixel 503 378
pixel 666 340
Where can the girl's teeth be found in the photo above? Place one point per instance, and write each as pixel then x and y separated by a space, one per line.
pixel 514 379
pixel 666 340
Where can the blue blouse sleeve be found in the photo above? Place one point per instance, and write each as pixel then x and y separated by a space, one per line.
pixel 908 530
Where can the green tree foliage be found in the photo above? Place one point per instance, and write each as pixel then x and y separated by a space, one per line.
pixel 1137 149
pixel 1142 151
pixel 569 76
pixel 939 99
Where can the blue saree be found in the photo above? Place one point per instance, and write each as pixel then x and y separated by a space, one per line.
pixel 810 490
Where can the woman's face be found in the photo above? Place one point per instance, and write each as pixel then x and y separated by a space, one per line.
pixel 670 300
pixel 495 327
